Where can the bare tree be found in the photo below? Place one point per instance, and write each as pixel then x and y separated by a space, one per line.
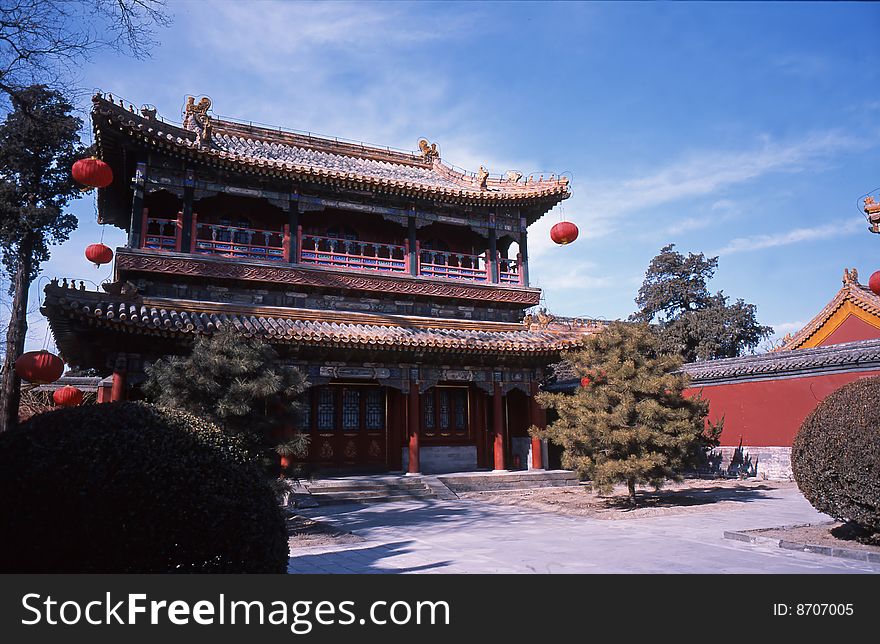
pixel 42 41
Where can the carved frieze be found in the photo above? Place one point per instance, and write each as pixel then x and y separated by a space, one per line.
pixel 287 275
pixel 355 373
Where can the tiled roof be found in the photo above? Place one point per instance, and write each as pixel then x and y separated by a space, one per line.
pixel 851 291
pixel 276 152
pixel 303 326
pixel 304 157
pixel 83 383
pixel 850 356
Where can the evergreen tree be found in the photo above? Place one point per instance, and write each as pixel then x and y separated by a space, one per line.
pixel 235 382
pixel 692 321
pixel 39 141
pixel 630 422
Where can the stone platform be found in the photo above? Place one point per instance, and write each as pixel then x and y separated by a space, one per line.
pixel 504 480
pixel 367 488
pixel 385 488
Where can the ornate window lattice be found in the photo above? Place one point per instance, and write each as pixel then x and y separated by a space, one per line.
pixel 375 409
pixel 460 403
pixel 346 408
pixel 326 409
pixel 351 408
pixel 304 421
pixel 445 412
pixel 428 409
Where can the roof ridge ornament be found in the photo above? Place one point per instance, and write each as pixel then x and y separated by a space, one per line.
pixel 482 178
pixel 196 119
pixel 429 150
pixel 850 276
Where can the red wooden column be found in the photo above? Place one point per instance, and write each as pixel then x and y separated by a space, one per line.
pixel 103 393
pixel 117 391
pixel 285 243
pixel 538 417
pixel 476 425
pixel 412 420
pixel 498 426
pixel 396 428
pixel 145 213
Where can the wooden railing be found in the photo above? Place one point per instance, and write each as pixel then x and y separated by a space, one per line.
pixel 459 266
pixel 161 233
pixel 349 253
pixel 245 243
pixel 509 270
pixel 276 245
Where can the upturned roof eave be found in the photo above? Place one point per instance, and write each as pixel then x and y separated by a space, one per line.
pixel 174 139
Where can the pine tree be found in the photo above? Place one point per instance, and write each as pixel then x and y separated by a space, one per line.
pixel 39 141
pixel 235 382
pixel 628 422
pixel 693 321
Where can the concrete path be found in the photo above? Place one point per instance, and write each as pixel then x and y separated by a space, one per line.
pixel 466 536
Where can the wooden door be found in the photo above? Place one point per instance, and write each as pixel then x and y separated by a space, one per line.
pixel 350 426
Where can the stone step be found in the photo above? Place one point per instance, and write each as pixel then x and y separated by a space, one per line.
pixel 341 486
pixel 491 481
pixel 500 486
pixel 323 499
pixel 355 494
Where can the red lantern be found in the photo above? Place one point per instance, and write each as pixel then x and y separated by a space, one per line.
pixel 68 396
pixel 99 254
pixel 585 382
pixel 92 172
pixel 39 367
pixel 564 233
pixel 285 462
pixel 874 283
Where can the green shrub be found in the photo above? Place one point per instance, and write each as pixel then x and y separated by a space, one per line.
pixel 836 455
pixel 130 488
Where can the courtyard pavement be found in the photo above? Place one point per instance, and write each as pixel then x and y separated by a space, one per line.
pixel 467 536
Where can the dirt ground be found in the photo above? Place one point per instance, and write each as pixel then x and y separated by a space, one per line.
pixel 689 496
pixel 823 534
pixel 306 533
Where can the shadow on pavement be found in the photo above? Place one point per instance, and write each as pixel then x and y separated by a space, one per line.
pixel 364 560
pixel 692 496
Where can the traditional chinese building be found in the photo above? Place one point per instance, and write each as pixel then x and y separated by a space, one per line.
pixel 764 398
pixel 396 282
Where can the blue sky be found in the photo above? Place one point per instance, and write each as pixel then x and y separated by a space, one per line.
pixel 744 130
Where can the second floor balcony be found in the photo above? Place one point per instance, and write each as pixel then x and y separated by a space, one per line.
pixel 295 247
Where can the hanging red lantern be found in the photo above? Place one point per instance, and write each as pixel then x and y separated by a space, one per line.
pixel 585 382
pixel 285 462
pixel 564 233
pixel 92 172
pixel 68 396
pixel 39 367
pixel 874 283
pixel 99 254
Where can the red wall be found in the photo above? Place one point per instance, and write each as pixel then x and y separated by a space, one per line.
pixel 768 413
pixel 850 330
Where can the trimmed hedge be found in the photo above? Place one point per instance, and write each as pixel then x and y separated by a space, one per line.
pixel 836 455
pixel 131 488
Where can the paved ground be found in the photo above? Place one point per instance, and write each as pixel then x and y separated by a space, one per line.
pixel 472 537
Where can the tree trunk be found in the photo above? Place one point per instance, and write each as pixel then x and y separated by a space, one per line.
pixel 631 484
pixel 15 336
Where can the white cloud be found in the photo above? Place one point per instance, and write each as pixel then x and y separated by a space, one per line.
pixel 603 205
pixel 802 64
pixel 839 228
pixel 781 328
